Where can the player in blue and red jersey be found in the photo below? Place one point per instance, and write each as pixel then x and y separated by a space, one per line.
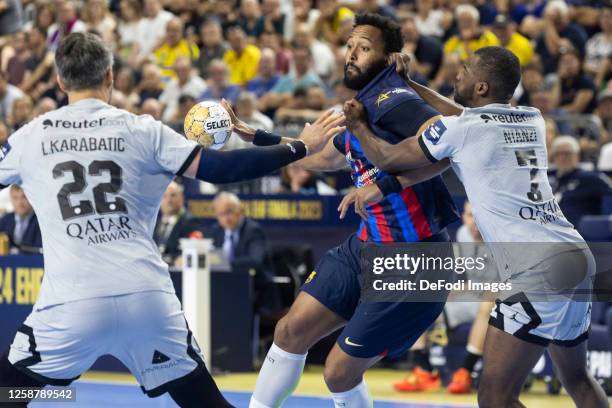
pixel 330 298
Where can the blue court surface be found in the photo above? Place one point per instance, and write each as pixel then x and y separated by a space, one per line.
pixel 91 394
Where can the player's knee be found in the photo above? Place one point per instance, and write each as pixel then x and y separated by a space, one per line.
pixel 340 377
pixel 290 336
pixel 491 394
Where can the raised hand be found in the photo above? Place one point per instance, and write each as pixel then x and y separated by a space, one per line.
pixel 315 136
pixel 355 114
pixel 402 64
pixel 245 131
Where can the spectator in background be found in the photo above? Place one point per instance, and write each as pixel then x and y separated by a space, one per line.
pixel 185 103
pixel 15 68
pixel 274 18
pixel 242 58
pixel 302 76
pixel 67 22
pixel 266 77
pixel 301 110
pixel 241 239
pixel 130 28
pixel 599 47
pixel 44 17
pixel 184 83
pixel 8 95
pixel 425 51
pixel 10 17
pixel 272 40
pixel 296 180
pixel 444 82
pixel 332 16
pixel 505 31
pixel 575 89
pixel 98 19
pixel 212 45
pixel 218 83
pixel 577 191
pixel 376 7
pixel 321 52
pixel 560 34
pixel 21 113
pixel 21 226
pixel 532 79
pixel 604 109
pixel 250 18
pixel 430 21
pixel 471 36
pixel 303 12
pixel 173 223
pixel 246 110
pixel 152 107
pixel 5 195
pixel 124 83
pixel 38 75
pixel 43 106
pixel 173 47
pixel 153 28
pixel 150 85
pixel 542 98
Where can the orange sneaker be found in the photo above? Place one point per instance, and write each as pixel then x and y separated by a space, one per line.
pixel 461 382
pixel 418 380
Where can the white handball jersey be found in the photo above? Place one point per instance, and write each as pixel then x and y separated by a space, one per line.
pixel 95 176
pixel 499 153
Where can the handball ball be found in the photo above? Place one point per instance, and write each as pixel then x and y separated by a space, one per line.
pixel 209 124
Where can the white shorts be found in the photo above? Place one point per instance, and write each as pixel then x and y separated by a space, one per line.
pixel 561 322
pixel 146 331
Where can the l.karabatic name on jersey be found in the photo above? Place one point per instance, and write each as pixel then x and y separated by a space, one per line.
pixel 435 131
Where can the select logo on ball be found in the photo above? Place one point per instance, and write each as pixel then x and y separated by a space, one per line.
pixel 209 124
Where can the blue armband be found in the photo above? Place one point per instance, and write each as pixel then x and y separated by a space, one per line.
pixel 220 167
pixel 265 138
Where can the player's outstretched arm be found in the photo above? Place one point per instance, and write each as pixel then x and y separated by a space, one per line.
pixel 328 159
pixel 387 157
pixel 245 164
pixel 442 104
pixel 373 193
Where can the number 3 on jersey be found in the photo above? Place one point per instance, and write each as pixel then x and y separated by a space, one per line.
pixel 85 207
pixel 529 158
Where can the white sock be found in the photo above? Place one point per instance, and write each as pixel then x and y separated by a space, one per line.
pixel 357 397
pixel 278 378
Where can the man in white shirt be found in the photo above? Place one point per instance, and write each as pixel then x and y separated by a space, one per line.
pixel 153 27
pixel 185 83
pixel 499 153
pixel 8 95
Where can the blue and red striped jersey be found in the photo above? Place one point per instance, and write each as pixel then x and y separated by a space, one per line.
pixel 395 112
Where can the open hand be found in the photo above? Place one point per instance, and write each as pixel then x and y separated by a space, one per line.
pixel 355 114
pixel 361 197
pixel 315 136
pixel 245 131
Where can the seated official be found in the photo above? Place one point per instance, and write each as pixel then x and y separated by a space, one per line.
pixel 21 225
pixel 173 223
pixel 577 191
pixel 242 240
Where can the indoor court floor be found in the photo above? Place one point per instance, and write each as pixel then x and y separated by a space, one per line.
pixel 104 390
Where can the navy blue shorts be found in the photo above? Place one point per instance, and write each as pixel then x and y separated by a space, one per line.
pixel 373 329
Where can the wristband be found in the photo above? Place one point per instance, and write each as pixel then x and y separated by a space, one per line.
pixel 389 185
pixel 299 147
pixel 264 138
